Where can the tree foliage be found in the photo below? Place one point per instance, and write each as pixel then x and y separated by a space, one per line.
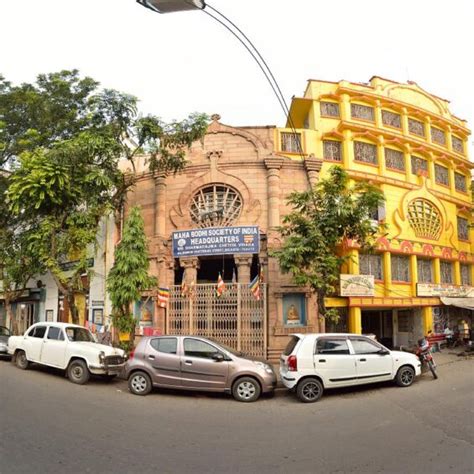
pixel 17 263
pixel 322 219
pixel 62 139
pixel 129 277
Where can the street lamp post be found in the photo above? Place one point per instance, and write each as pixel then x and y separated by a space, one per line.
pixel 171 6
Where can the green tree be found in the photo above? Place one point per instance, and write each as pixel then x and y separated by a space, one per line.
pixel 322 219
pixel 129 277
pixel 62 138
pixel 17 264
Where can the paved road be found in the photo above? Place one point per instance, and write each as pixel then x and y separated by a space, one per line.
pixel 48 425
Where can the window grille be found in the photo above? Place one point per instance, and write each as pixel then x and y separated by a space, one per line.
pixel 363 112
pixel 465 274
pixel 463 228
pixel 425 219
pixel 394 159
pixel 441 175
pixel 416 127
pixel 329 109
pixel 418 164
pixel 332 150
pixel 438 136
pixel 400 268
pixel 424 270
pixel 291 142
pixel 460 182
pixel 215 205
pixel 365 152
pixel 392 119
pixel 371 265
pixel 446 272
pixel 457 144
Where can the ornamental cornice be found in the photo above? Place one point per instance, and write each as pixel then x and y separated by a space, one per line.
pixel 273 162
pixel 313 164
pixel 374 132
pixel 411 109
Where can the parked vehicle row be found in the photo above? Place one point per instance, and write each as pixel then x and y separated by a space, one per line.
pixel 310 364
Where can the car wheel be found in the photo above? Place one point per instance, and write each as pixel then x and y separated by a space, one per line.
pixel 78 372
pixel 405 376
pixel 246 389
pixel 309 390
pixel 21 361
pixel 139 383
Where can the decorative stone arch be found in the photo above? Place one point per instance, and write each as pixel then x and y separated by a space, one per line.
pixel 217 127
pixel 251 207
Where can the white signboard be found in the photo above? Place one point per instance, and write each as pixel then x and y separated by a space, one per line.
pixel 443 289
pixel 357 285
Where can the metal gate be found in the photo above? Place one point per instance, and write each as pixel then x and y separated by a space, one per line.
pixel 236 318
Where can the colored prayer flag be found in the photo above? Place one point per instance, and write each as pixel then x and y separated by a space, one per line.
pixel 184 287
pixel 220 285
pixel 163 297
pixel 254 286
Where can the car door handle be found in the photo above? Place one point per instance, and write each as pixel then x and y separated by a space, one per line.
pixel 363 360
pixel 151 357
pixel 322 360
pixel 188 362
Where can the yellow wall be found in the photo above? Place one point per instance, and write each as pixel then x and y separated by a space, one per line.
pixel 402 188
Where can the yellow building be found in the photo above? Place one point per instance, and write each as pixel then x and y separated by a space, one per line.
pixel 407 142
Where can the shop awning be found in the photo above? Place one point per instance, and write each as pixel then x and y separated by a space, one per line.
pixel 467 303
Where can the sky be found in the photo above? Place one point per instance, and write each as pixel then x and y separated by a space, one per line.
pixel 186 62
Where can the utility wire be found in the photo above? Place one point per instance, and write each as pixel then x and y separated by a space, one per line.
pixel 262 64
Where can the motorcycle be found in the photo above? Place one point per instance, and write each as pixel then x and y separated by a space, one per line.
pixel 426 357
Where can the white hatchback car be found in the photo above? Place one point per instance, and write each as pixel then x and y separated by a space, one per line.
pixel 312 363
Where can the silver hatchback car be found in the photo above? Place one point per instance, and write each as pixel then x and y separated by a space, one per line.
pixel 196 363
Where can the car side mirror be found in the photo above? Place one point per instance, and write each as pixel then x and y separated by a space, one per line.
pixel 218 357
pixel 384 352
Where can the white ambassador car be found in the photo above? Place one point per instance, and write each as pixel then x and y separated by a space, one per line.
pixel 68 347
pixel 312 363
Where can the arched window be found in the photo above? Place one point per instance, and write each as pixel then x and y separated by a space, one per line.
pixel 215 205
pixel 425 219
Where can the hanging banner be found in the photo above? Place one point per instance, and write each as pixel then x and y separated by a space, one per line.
pixel 216 241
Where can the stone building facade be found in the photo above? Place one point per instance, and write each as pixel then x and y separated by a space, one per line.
pixel 233 178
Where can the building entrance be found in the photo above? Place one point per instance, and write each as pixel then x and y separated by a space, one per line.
pixel 379 323
pixel 236 318
pixel 210 267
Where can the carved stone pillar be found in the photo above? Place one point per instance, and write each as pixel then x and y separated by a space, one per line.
pixel 313 167
pixel 191 266
pixel 244 264
pixel 273 164
pixel 160 205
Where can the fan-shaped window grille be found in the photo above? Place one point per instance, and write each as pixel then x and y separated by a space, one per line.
pixel 215 205
pixel 425 219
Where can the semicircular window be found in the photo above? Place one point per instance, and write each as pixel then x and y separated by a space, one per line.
pixel 425 219
pixel 215 205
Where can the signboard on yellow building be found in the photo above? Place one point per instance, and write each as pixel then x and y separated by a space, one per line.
pixel 443 289
pixel 357 285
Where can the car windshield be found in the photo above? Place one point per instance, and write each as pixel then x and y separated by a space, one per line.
pixel 4 331
pixel 79 335
pixel 227 348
